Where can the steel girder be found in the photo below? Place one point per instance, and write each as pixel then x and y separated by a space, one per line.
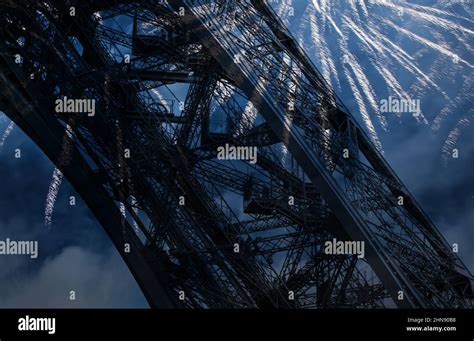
pixel 238 49
pixel 238 58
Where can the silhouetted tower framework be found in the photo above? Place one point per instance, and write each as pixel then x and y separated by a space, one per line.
pixel 172 82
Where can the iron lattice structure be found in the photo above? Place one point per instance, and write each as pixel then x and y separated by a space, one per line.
pixel 233 75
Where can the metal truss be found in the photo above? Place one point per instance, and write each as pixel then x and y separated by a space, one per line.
pixel 174 80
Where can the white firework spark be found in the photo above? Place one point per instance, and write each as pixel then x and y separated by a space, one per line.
pixel 465 96
pixel 319 45
pixel 453 137
pixel 366 39
pixel 7 133
pixel 419 39
pixel 363 111
pixel 52 195
pixel 57 177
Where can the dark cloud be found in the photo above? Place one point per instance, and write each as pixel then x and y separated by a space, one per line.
pixel 99 281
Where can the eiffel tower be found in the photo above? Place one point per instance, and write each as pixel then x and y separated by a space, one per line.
pixel 172 82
